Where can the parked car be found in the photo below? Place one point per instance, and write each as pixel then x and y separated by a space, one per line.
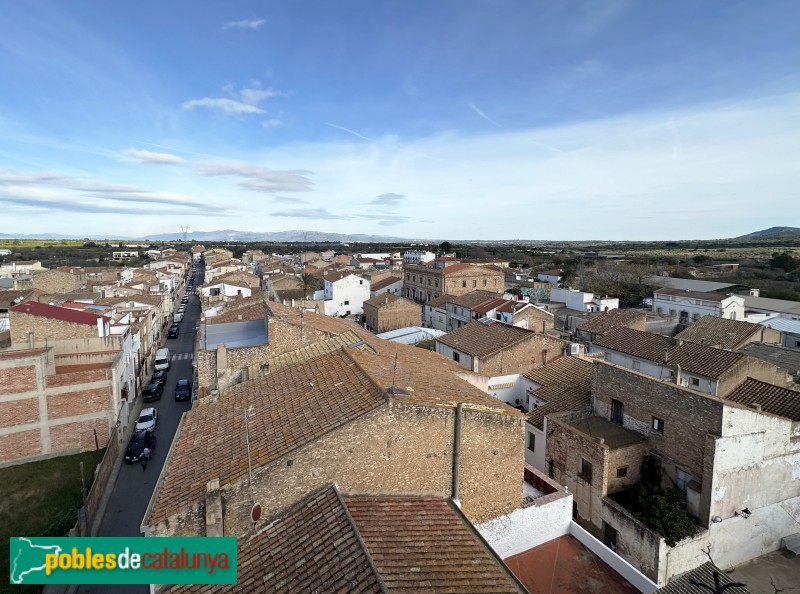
pixel 159 377
pixel 147 420
pixel 152 392
pixel 185 299
pixel 181 309
pixel 173 331
pixel 178 317
pixel 135 449
pixel 183 389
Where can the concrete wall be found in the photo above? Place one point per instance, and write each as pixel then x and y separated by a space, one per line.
pixel 397 448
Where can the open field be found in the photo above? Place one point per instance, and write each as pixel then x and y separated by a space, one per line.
pixel 41 499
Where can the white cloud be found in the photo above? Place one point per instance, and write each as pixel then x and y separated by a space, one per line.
pixel 244 24
pixel 228 106
pixel 260 179
pixel 145 157
pixel 348 130
pixel 272 123
pixel 310 213
pixel 389 200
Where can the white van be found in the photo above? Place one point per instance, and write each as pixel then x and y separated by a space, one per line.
pixel 178 317
pixel 162 359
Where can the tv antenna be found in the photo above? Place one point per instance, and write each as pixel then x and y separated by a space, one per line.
pixel 184 231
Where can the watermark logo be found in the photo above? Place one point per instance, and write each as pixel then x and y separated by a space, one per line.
pixel 74 560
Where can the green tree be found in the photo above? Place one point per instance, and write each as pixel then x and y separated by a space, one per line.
pixel 446 247
pixel 309 282
pixel 784 261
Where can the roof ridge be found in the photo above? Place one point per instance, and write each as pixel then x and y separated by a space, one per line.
pixel 360 539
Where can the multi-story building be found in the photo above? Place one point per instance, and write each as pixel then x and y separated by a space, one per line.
pixel 425 282
pixel 690 306
pixel 390 312
pixel 344 293
pixel 418 257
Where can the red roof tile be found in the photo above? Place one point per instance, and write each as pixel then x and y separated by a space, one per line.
pixel 56 313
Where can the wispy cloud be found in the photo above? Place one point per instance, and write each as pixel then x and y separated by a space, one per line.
pixel 389 200
pixel 348 130
pixel 45 188
pixel 260 179
pixel 272 123
pixel 243 101
pixel 145 157
pixel 386 220
pixel 228 106
pixel 475 108
pixel 244 24
pixel 310 213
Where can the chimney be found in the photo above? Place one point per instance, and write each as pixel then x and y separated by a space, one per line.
pixel 678 374
pixel 544 326
pixel 755 406
pixel 763 329
pixel 31 341
pixel 666 355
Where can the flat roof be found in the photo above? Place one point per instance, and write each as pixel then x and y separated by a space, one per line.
pixel 236 334
pixel 688 284
pixel 614 435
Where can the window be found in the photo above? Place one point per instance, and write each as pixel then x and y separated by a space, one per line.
pixel 484 282
pixel 658 424
pixel 695 317
pixel 682 479
pixel 695 381
pixel 408 277
pixel 474 284
pixel 673 312
pixel 636 365
pixel 659 310
pixel 436 283
pixel 531 442
pixel 361 282
pixel 347 303
pixel 622 472
pixel 585 471
pixel 457 359
pixel 429 282
pixel 464 284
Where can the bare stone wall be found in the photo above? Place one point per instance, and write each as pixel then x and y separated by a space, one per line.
pixel 391 316
pixel 524 356
pixel 22 323
pixel 56 282
pixel 397 448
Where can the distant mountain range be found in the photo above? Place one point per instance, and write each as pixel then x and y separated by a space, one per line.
pixel 230 235
pixel 773 233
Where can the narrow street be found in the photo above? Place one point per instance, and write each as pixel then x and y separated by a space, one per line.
pixel 134 486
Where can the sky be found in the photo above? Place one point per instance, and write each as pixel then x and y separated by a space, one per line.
pixel 423 119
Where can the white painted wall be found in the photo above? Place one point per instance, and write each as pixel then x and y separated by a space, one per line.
pixel 572 299
pixel 347 294
pixel 417 257
pixel 394 289
pixel 536 458
pixel 463 359
pixel 435 317
pixel 526 528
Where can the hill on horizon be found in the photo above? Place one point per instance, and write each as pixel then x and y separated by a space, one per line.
pixel 772 233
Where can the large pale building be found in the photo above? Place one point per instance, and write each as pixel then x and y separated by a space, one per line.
pixel 423 283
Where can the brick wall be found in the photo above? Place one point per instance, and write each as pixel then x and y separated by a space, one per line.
pixel 22 323
pixel 78 377
pixel 397 448
pixel 19 412
pixel 22 444
pixel 17 379
pixel 524 356
pixel 81 402
pixel 79 436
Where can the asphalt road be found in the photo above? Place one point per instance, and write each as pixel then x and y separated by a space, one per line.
pixel 134 486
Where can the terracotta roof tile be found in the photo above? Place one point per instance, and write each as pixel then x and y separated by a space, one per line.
pixel 384 299
pixel 57 313
pixel 611 320
pixel 313 547
pixel 425 545
pixel 480 340
pixel 566 384
pixel 327 324
pixel 773 399
pixel 390 280
pixel 719 332
pixel 255 311
pixel 693 358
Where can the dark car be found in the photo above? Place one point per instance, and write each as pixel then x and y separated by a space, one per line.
pixel 159 377
pixel 173 331
pixel 135 449
pixel 183 390
pixel 152 392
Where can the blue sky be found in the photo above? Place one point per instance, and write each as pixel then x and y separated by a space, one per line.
pixel 452 120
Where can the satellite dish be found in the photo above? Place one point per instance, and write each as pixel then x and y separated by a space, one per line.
pixel 255 512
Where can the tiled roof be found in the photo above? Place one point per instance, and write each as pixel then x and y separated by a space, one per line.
pixel 384 299
pixel 335 276
pixel 327 324
pixel 773 399
pixel 472 299
pixel 425 545
pixel 313 547
pixel 785 358
pixel 56 313
pixel 256 311
pixel 439 301
pixel 703 575
pixel 610 320
pixel 720 332
pixel 389 280
pixel 693 294
pixel 481 340
pixel 490 304
pixel 290 412
pixel 693 358
pixel 566 384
